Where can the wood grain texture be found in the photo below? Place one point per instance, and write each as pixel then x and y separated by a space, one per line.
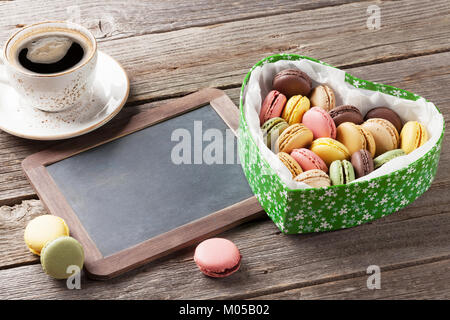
pixel 115 19
pixel 428 281
pixel 178 51
pixel 13 220
pixel 427 76
pixel 272 262
pixel 162 65
pixel 179 62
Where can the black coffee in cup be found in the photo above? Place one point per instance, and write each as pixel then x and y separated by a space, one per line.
pixel 51 52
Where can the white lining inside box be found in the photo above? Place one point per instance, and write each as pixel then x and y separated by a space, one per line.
pixel 260 83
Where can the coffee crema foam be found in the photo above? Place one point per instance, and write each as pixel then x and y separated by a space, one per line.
pixel 50 51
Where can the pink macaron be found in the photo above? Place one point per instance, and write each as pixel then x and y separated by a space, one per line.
pixel 217 257
pixel 272 106
pixel 308 160
pixel 320 123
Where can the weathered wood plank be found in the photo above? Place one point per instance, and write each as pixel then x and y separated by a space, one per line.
pixel 163 64
pixel 12 223
pixel 13 252
pixel 427 76
pixel 179 62
pixel 120 19
pixel 272 262
pixel 423 282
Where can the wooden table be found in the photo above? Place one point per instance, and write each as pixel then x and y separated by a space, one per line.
pixel 172 48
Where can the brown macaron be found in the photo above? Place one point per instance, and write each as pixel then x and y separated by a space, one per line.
pixel 387 114
pixel 362 162
pixel 290 163
pixel 346 113
pixel 292 82
pixel 323 96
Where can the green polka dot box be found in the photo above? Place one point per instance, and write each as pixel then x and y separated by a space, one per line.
pixel 295 208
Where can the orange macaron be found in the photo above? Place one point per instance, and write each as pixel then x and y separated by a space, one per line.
pixel 355 138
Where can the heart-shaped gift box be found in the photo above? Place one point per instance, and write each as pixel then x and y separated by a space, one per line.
pixel 296 208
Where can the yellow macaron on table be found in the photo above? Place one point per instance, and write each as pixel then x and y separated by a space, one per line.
pixel 296 207
pixel 43 229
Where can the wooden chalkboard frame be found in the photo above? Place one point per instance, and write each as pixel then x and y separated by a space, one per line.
pixel 99 267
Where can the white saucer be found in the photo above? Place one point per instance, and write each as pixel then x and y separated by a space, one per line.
pixel 110 91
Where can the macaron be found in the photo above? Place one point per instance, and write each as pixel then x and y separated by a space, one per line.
pixel 320 123
pixel 362 163
pixel 217 257
pixel 346 113
pixel 295 109
pixel 329 150
pixel 272 129
pixel 384 133
pixel 412 136
pixel 290 163
pixel 341 172
pixel 294 137
pixel 308 160
pixel 43 229
pixel 272 106
pixel 387 156
pixel 59 254
pixel 355 137
pixel 315 178
pixel 292 82
pixel 323 97
pixel 387 114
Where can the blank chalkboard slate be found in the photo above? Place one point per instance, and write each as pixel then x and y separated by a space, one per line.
pixel 165 179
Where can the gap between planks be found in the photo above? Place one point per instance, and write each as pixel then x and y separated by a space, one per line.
pixel 247 11
pixel 405 79
pixel 419 277
pixel 352 275
pixel 253 268
pixel 407 56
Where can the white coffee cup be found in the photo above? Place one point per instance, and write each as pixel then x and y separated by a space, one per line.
pixel 52 91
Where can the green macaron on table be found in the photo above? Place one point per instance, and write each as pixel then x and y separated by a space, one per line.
pixel 340 206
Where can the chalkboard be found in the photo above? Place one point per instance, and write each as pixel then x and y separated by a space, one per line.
pixel 151 183
pixel 131 188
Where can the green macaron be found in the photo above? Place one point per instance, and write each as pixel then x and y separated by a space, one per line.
pixel 272 129
pixel 341 172
pixel 387 156
pixel 61 256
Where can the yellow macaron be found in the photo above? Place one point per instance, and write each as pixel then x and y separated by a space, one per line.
pixel 329 150
pixel 295 109
pixel 412 136
pixel 43 229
